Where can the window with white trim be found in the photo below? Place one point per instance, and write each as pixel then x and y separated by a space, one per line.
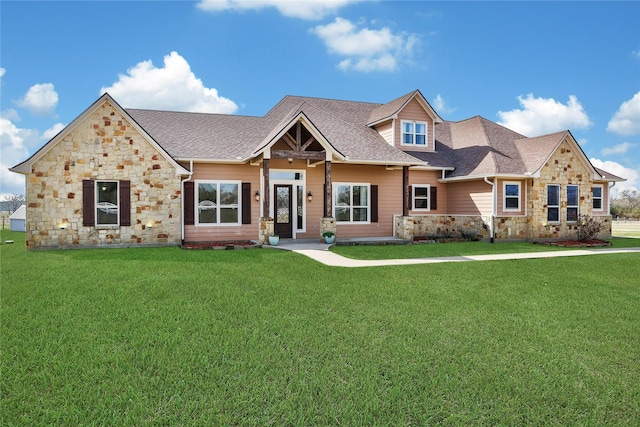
pixel 573 197
pixel 351 203
pixel 107 203
pixel 511 196
pixel 596 197
pixel 218 203
pixel 553 203
pixel 421 199
pixel 414 133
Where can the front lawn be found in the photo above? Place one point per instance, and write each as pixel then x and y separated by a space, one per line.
pixel 425 250
pixel 165 336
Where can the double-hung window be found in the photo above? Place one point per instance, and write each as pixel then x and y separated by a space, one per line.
pixel 511 197
pixel 218 203
pixel 421 199
pixel 107 203
pixel 596 197
pixel 553 203
pixel 351 202
pixel 573 197
pixel 414 133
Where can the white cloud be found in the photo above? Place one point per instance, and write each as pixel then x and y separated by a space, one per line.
pixel 441 106
pixel 14 145
pixel 52 131
pixel 618 149
pixel 632 176
pixel 308 9
pixel 366 50
pixel 2 71
pixel 626 121
pixel 40 99
pixel 173 87
pixel 540 116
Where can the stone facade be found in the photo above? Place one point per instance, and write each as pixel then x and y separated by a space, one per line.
pixel 267 228
pixel 327 224
pixel 103 146
pixel 450 226
pixel 564 167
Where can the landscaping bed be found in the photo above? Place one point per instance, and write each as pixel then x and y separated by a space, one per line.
pixel 594 243
pixel 229 245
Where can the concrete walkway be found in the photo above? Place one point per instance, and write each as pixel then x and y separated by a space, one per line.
pixel 320 252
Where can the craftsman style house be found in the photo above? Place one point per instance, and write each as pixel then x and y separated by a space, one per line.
pixel 126 177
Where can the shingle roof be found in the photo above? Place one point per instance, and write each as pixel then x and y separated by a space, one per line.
pixel 228 137
pixel 473 147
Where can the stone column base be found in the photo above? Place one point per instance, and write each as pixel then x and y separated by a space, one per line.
pixel 266 230
pixel 327 224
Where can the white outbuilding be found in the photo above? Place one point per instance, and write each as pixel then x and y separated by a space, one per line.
pixel 18 219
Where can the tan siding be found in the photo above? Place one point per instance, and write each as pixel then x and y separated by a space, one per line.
pixel 605 200
pixel 469 198
pixel 523 201
pixel 414 111
pixel 389 198
pixel 386 131
pixel 244 173
pixel 430 178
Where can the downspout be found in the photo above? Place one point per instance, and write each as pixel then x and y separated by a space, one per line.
pixel 493 207
pixel 609 198
pixel 182 197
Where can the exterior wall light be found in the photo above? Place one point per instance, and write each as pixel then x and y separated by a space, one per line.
pixel 257 196
pixel 309 196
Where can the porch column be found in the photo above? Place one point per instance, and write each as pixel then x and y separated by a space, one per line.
pixel 328 191
pixel 265 190
pixel 406 199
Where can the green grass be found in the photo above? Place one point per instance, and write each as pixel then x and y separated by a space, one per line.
pixel 165 336
pixel 457 249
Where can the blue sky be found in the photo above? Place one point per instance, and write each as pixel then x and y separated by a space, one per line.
pixel 536 67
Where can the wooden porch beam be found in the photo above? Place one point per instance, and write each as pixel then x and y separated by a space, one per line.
pixel 328 191
pixel 305 155
pixel 406 199
pixel 265 189
pixel 308 143
pixel 288 139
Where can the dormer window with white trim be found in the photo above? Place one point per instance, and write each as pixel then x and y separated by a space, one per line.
pixel 414 133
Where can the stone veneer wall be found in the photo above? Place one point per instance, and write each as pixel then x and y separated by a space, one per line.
pixel 450 225
pixel 564 167
pixel 105 146
pixel 511 228
pixel 409 227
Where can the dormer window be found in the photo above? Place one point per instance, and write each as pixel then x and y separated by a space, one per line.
pixel 414 133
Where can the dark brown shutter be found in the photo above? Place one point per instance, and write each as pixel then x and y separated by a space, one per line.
pixel 189 190
pixel 374 203
pixel 433 195
pixel 246 203
pixel 125 203
pixel 412 202
pixel 88 200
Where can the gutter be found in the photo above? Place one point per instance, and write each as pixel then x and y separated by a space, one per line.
pixel 182 199
pixel 493 207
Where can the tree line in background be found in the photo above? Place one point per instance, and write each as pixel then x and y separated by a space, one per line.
pixel 11 202
pixel 626 205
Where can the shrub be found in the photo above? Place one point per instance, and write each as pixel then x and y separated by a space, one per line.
pixel 469 234
pixel 588 228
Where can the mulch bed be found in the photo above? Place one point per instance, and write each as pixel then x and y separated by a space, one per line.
pixel 577 243
pixel 221 245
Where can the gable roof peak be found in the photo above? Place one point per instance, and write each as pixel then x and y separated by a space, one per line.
pixel 391 109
